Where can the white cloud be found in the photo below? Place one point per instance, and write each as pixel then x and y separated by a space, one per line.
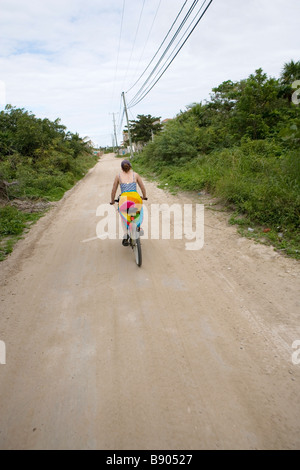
pixel 59 58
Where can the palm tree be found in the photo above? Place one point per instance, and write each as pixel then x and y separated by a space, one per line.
pixel 290 73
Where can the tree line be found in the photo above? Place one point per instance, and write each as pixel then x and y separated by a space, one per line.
pixel 41 155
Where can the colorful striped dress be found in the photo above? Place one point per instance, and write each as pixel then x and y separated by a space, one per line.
pixel 130 198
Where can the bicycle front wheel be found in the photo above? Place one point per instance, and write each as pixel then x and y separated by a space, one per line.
pixel 138 252
pixel 136 244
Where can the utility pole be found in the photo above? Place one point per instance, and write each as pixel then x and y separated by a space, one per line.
pixel 114 135
pixel 113 143
pixel 115 132
pixel 129 135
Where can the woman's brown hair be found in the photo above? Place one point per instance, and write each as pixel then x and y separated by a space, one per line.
pixel 126 166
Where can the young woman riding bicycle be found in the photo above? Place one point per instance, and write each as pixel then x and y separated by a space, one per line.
pixel 128 181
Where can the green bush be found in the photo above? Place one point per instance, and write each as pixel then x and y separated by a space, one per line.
pixel 43 159
pixel 12 221
pixel 260 178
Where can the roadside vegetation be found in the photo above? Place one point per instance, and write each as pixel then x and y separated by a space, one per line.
pixel 242 146
pixel 39 162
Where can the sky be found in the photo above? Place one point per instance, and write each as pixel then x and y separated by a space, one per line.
pixel 72 59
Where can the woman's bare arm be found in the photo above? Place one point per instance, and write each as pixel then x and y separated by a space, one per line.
pixel 141 185
pixel 114 189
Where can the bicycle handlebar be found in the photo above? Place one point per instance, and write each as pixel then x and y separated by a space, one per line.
pixel 117 200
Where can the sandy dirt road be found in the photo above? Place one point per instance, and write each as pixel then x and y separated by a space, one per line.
pixel 191 351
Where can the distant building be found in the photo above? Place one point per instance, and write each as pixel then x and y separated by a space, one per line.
pixel 87 140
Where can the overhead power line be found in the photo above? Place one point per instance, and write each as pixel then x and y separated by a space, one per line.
pixel 165 38
pixel 167 48
pixel 134 41
pixel 147 87
pixel 150 31
pixel 119 47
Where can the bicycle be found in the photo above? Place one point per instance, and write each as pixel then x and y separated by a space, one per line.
pixel 133 233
